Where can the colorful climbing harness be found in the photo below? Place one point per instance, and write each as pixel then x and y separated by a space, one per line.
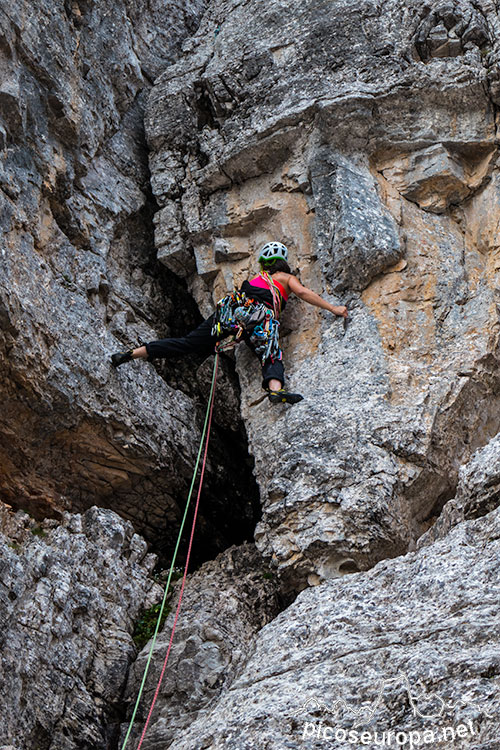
pixel 236 313
pixel 203 441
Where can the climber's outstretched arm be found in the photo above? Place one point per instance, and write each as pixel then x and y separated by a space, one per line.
pixel 314 299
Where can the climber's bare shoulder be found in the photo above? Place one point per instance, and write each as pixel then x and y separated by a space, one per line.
pixel 283 279
pixel 289 281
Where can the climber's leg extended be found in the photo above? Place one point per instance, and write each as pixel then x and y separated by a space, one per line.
pixel 198 341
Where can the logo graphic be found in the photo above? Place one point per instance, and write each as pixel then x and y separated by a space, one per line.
pixel 424 705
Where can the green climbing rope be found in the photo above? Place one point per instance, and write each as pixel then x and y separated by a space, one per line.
pixel 195 472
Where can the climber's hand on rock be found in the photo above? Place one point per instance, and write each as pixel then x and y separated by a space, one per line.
pixel 342 311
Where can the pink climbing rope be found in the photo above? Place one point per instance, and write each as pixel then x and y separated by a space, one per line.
pixel 212 397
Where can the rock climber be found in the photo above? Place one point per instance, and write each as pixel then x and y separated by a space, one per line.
pixel 250 313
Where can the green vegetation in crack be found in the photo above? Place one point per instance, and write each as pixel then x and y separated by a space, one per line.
pixel 38 531
pixel 145 626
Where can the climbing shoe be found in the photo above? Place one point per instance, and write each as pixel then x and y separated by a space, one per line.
pixel 121 357
pixel 283 397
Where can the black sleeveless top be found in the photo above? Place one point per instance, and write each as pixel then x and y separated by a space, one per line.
pixel 261 295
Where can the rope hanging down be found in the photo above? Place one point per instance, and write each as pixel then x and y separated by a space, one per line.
pixel 205 431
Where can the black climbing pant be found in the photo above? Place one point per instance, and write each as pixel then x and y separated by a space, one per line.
pixel 201 341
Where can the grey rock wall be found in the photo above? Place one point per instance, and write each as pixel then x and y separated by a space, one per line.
pixel 79 278
pixel 408 647
pixel 225 603
pixel 75 278
pixel 363 136
pixel 407 650
pixel 478 493
pixel 69 597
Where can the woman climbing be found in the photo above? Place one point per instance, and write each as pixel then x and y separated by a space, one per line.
pixel 252 313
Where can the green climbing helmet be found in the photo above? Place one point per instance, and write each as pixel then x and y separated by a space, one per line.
pixel 273 251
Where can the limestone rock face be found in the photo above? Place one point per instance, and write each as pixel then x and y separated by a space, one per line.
pixel 409 646
pixel 478 492
pixel 363 136
pixel 69 597
pixel 79 278
pixel 435 178
pixel 225 603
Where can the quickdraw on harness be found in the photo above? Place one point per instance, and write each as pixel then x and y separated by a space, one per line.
pixel 236 313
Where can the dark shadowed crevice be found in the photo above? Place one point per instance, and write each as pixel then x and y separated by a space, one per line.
pixel 229 506
pixel 437 508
